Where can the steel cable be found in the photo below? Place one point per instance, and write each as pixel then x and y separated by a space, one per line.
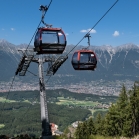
pixel 94 26
pixel 91 29
pixel 8 94
pixel 24 115
pixel 72 48
pixel 25 51
pixel 38 27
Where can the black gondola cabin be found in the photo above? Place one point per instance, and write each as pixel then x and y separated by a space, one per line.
pixel 50 41
pixel 84 60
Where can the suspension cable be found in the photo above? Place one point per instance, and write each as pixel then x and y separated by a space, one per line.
pixel 24 115
pixel 25 51
pixel 93 26
pixel 8 94
pixel 31 73
pixel 28 71
pixel 38 26
pixel 36 31
pixel 73 47
pixel 89 31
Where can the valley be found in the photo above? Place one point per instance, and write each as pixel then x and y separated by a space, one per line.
pixel 68 92
pixel 116 66
pixel 98 87
pixel 62 105
pixel 62 97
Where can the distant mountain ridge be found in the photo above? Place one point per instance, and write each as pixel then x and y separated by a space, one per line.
pixel 114 63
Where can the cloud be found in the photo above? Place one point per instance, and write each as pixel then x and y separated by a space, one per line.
pixel 2 29
pixel 12 29
pixel 83 31
pixel 87 30
pixel 67 34
pixel 116 33
pixel 92 31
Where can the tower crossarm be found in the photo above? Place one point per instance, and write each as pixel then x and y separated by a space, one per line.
pixel 24 62
pixel 55 66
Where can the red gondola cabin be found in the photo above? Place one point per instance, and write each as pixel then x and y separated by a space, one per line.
pixel 84 60
pixel 50 41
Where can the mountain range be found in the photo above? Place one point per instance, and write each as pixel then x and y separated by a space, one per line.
pixel 114 63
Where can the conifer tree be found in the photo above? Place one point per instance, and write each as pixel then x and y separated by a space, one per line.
pixel 112 122
pixel 122 118
pixel 78 132
pixel 98 124
pixel 127 128
pixel 134 104
pixel 122 105
pixel 137 107
pixel 91 127
pixel 85 131
pixel 103 127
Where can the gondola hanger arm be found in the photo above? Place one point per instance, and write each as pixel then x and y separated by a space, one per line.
pixel 44 10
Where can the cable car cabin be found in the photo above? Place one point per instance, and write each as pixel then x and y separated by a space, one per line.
pixel 84 60
pixel 50 41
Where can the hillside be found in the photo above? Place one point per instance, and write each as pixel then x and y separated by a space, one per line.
pixel 114 63
pixel 22 110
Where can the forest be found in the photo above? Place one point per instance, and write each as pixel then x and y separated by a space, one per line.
pixel 21 114
pixel 121 120
pixel 52 96
pixel 21 117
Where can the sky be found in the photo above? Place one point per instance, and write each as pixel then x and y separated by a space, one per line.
pixel 20 18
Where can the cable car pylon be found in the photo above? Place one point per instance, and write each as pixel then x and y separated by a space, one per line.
pixel 46 128
pixel 44 43
pixel 28 57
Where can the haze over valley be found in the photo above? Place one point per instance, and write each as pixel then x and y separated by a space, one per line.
pixel 116 66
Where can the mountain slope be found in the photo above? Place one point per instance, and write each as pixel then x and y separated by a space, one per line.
pixel 114 63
